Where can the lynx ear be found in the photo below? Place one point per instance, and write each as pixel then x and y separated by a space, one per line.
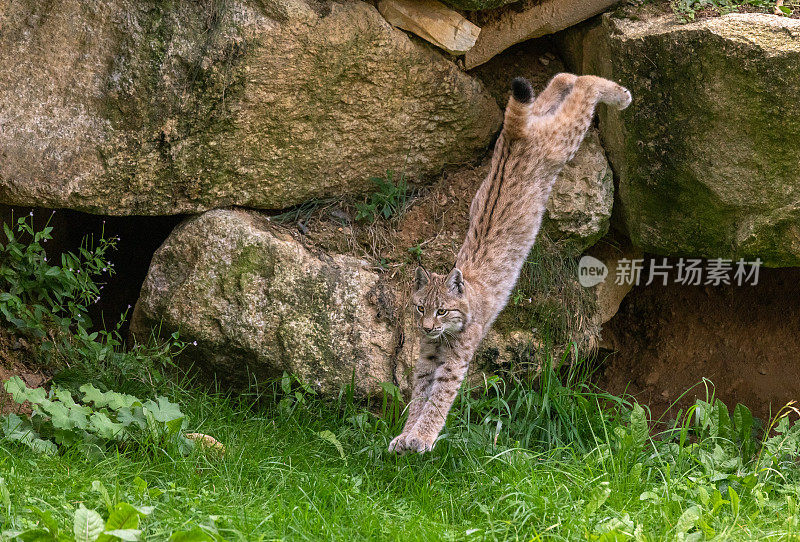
pixel 455 281
pixel 421 278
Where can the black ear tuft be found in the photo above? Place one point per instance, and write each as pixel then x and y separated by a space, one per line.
pixel 455 281
pixel 421 278
pixel 522 90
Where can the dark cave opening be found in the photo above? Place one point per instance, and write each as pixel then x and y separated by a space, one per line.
pixel 139 238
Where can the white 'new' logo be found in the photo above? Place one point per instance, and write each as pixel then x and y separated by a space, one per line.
pixel 591 271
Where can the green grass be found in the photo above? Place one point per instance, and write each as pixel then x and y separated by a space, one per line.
pixel 551 458
pixel 283 477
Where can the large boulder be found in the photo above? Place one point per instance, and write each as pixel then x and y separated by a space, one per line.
pixel 258 303
pixel 707 155
pixel 579 208
pixel 155 107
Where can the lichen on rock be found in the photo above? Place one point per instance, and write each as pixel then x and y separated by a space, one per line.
pixel 707 155
pixel 172 107
pixel 259 303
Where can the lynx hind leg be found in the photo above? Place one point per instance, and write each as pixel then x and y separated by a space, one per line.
pixel 554 93
pixel 566 128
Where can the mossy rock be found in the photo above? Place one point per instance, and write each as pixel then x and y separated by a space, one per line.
pixel 707 154
pixel 160 107
pixel 257 303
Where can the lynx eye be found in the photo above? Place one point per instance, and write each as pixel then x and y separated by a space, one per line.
pixel 441 312
pixel 421 309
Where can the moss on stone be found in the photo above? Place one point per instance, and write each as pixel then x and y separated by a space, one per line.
pixel 710 141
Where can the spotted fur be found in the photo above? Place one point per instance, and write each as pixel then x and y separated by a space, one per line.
pixel 453 312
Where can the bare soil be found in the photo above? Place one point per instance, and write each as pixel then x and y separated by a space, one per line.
pixel 16 359
pixel 744 339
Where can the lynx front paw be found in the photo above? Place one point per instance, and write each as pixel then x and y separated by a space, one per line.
pixel 419 444
pixel 398 443
pixel 411 442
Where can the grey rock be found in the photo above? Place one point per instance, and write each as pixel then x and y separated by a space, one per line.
pixel 149 107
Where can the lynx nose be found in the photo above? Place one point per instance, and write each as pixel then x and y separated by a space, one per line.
pixel 427 329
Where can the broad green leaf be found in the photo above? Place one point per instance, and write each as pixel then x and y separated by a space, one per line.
pixel 140 486
pixel 286 383
pixel 20 429
pixel 36 535
pixel 639 428
pixel 110 399
pixel 164 411
pixel 42 446
pixel 21 393
pixel 100 488
pixel 132 416
pixel 703 495
pixel 702 414
pixel 14 427
pixel 123 516
pixel 743 422
pixel 596 498
pixel 46 519
pixel 195 535
pixel 688 519
pixel 734 497
pixel 129 535
pixel 708 530
pixel 93 395
pixel 66 397
pixel 723 419
pixel 105 427
pixel 59 415
pixel 5 494
pixel 329 437
pixel 147 510
pixel 87 526
pixel 716 501
pixel 164 416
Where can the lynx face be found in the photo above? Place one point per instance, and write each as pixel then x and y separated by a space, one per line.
pixel 439 304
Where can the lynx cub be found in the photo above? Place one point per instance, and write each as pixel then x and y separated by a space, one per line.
pixel 455 311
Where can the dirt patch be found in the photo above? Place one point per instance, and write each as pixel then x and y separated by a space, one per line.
pixel 428 231
pixel 744 339
pixel 17 359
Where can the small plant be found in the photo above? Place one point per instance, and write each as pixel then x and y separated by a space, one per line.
pixel 518 297
pixel 389 200
pixel 687 10
pixel 97 420
pixel 296 395
pixel 87 525
pixel 50 302
pixel 38 296
pixel 416 252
